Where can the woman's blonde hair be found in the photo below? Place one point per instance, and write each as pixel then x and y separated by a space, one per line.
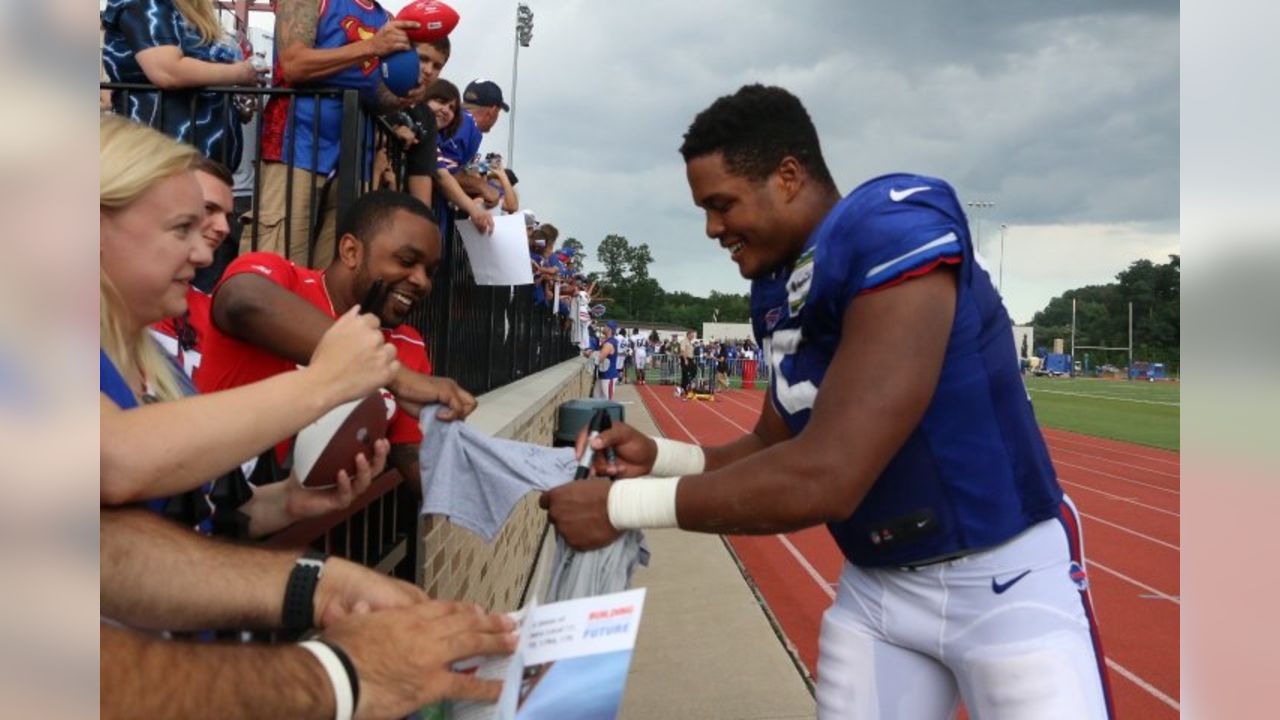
pixel 133 158
pixel 202 15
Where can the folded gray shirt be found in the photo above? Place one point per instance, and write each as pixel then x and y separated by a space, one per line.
pixel 476 480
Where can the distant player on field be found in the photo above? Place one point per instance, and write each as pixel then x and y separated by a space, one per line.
pixel 896 416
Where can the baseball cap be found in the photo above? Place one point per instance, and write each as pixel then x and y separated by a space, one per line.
pixel 612 325
pixel 400 72
pixel 484 93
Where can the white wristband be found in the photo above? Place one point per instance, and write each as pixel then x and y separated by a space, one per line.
pixel 343 702
pixel 643 503
pixel 677 458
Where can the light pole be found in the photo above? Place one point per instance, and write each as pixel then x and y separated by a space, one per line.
pixel 1003 227
pixel 976 206
pixel 524 34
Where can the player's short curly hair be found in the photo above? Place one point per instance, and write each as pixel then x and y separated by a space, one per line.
pixel 755 128
pixel 371 212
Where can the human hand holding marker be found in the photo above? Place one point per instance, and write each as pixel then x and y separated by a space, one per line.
pixel 586 453
pixel 620 451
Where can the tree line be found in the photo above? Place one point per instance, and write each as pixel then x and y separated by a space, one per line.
pixel 1102 314
pixel 631 294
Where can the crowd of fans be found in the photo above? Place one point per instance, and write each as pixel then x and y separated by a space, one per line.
pixel 623 356
pixel 238 308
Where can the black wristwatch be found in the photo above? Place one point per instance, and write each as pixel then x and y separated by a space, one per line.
pixel 300 592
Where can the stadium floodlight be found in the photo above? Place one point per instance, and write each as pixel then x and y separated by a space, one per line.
pixel 977 206
pixel 1003 227
pixel 524 36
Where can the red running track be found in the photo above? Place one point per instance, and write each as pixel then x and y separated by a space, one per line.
pixel 1129 502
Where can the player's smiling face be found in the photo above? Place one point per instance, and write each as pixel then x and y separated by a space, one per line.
pixel 404 255
pixel 742 214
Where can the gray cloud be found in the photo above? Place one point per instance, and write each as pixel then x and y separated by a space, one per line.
pixel 1062 113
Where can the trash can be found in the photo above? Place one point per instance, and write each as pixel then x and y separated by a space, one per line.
pixel 574 415
pixel 749 374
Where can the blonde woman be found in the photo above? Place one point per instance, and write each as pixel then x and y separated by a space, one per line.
pixel 179 46
pixel 162 444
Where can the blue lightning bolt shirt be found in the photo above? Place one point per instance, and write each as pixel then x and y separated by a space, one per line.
pixel 204 119
pixel 975 471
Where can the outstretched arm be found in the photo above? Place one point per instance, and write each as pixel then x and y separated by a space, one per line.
pixel 877 388
pixel 403 659
pixel 300 61
pixel 153 450
pixel 158 575
pixel 252 680
pixel 253 309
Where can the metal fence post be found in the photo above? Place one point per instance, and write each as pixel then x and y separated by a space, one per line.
pixel 351 152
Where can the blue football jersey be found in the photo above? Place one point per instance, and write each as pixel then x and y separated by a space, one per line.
pixel 975 471
pixel 609 371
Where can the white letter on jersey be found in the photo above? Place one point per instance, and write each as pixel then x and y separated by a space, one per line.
pixel 794 398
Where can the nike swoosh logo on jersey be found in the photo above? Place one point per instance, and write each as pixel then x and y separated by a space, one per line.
pixel 999 587
pixel 900 195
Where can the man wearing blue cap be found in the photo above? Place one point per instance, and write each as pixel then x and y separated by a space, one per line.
pixel 607 362
pixel 481 103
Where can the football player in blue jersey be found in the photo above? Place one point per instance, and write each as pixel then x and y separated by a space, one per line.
pixel 897 417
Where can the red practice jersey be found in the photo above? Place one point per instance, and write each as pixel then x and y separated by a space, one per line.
pixel 228 362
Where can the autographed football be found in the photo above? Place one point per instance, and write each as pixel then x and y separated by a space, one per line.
pixel 435 20
pixel 331 443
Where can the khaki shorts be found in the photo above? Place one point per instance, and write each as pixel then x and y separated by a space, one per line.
pixel 292 242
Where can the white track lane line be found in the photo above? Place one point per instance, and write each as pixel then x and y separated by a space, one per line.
pixel 1117 477
pixel 1135 533
pixel 1117 462
pixel 1121 498
pixel 1104 397
pixel 1136 583
pixel 1133 678
pixel 689 436
pixel 727 419
pixel 1072 441
pixel 733 399
pixel 809 568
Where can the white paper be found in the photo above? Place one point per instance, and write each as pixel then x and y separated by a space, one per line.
pixel 501 258
pixel 572 653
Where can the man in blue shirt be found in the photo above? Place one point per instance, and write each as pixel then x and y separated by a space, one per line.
pixel 481 103
pixel 896 416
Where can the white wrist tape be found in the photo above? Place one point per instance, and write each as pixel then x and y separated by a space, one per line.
pixel 643 503
pixel 677 458
pixel 343 702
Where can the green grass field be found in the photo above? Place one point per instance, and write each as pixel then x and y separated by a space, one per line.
pixel 1137 412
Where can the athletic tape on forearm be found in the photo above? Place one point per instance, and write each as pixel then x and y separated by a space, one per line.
pixel 643 503
pixel 343 702
pixel 677 458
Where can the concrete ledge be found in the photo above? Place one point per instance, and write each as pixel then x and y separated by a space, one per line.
pixel 503 411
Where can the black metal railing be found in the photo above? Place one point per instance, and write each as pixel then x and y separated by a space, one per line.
pixel 485 336
pixel 379 530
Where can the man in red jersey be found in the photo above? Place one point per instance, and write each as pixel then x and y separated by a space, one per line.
pixel 268 314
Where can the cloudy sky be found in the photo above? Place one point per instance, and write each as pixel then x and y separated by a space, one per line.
pixel 1065 115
